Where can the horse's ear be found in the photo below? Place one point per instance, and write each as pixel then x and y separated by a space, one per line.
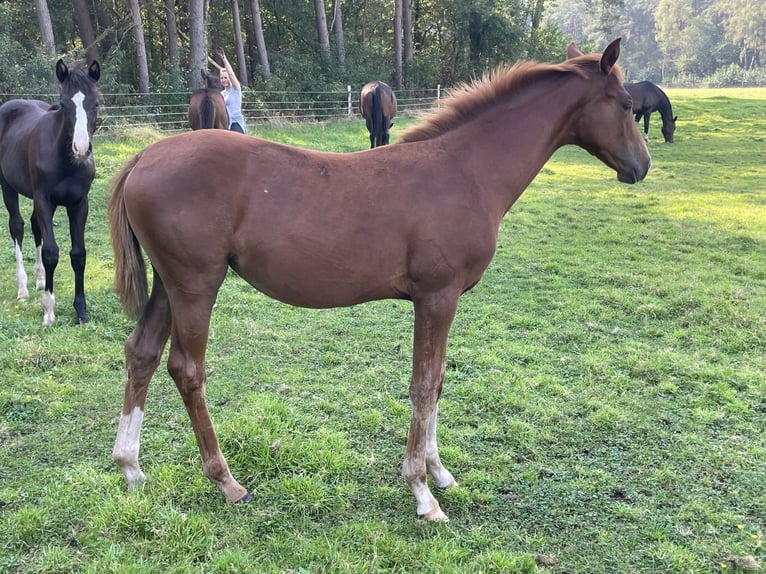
pixel 573 51
pixel 94 71
pixel 61 70
pixel 610 55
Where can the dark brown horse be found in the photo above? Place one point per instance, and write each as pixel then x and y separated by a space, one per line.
pixel 207 108
pixel 313 229
pixel 377 103
pixel 46 154
pixel 648 98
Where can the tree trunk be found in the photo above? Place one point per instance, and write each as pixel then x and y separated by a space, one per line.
pixel 337 25
pixel 407 25
pixel 263 56
pixel 141 62
pixel 170 22
pixel 241 62
pixel 398 76
pixel 197 43
pixel 322 33
pixel 82 15
pixel 46 28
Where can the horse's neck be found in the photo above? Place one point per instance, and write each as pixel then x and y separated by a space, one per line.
pixel 666 111
pixel 62 128
pixel 519 136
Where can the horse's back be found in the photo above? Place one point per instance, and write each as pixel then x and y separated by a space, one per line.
pixel 282 217
pixel 646 96
pixel 18 120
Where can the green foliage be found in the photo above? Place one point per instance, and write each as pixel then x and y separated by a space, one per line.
pixel 734 75
pixel 24 69
pixel 602 410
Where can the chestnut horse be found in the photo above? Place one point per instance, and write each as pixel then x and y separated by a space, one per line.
pixel 648 98
pixel 207 108
pixel 46 154
pixel 313 229
pixel 377 104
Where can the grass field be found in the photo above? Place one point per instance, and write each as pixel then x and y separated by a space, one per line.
pixel 604 408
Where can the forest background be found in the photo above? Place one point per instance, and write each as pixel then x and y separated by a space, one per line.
pixel 153 47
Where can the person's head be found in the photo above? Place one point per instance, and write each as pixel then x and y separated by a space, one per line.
pixel 225 81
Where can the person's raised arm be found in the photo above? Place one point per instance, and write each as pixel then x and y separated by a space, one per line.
pixel 232 76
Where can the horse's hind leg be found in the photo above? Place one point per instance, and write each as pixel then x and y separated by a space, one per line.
pixel 186 364
pixel 646 126
pixel 16 227
pixel 143 351
pixel 370 129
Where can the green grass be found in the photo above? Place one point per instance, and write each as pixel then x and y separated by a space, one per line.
pixel 604 407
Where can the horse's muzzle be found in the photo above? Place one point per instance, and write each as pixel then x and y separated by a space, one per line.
pixel 634 174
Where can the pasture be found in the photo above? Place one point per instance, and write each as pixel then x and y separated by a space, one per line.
pixel 603 411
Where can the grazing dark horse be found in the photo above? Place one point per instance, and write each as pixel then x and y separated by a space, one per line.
pixel 207 108
pixel 377 103
pixel 648 98
pixel 46 154
pixel 312 229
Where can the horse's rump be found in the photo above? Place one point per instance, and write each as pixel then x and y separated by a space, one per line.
pixel 207 110
pixel 377 104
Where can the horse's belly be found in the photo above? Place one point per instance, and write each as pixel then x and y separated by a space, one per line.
pixel 320 282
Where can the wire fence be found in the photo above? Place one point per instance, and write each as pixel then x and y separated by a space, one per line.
pixel 168 111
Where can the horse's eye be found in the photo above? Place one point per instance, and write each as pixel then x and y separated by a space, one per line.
pixel 627 106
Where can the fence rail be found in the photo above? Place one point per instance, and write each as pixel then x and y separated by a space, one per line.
pixel 168 110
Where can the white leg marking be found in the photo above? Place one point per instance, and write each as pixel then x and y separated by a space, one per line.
pixel 49 303
pixel 127 445
pixel 442 476
pixel 80 138
pixel 21 275
pixel 39 269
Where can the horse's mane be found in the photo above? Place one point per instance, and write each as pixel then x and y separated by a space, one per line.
pixel 470 99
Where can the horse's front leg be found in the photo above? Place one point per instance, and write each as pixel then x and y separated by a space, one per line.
pixel 143 351
pixel 78 215
pixel 433 318
pixel 42 228
pixel 186 364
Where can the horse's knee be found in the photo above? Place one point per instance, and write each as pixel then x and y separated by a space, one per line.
pixel 77 257
pixel 50 256
pixel 16 227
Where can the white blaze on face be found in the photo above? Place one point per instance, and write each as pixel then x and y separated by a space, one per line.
pixel 80 138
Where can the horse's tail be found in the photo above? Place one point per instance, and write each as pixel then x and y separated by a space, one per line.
pixel 129 268
pixel 378 121
pixel 207 113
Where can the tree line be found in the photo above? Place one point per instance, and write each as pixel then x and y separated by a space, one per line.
pixel 148 47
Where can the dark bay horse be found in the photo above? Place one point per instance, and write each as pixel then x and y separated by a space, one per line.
pixel 313 229
pixel 207 108
pixel 46 154
pixel 648 98
pixel 377 103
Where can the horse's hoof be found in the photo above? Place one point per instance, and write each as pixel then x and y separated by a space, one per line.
pixel 434 515
pixel 247 499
